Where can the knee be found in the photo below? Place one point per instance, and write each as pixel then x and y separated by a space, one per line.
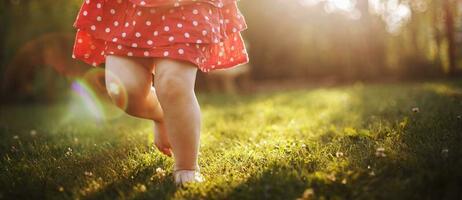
pixel 171 88
pixel 123 96
pixel 117 93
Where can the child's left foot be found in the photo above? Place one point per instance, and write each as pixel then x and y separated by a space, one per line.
pixel 182 177
pixel 161 138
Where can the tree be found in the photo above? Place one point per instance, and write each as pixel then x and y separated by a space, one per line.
pixel 448 7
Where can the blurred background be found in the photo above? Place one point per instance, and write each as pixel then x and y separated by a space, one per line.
pixel 312 42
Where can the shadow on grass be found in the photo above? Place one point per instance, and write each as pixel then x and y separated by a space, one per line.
pixel 142 184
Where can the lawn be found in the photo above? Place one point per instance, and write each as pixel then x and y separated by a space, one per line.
pixel 361 141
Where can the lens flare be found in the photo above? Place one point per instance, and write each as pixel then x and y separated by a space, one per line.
pixel 90 97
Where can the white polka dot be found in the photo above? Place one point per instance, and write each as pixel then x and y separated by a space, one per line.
pixel 127 24
pixel 204 32
pixel 116 23
pixel 165 53
pixel 108 30
pixel 79 40
pixel 146 53
pixel 99 18
pixel 148 23
pixel 142 3
pixel 98 5
pixel 124 34
pixel 134 45
pixel 114 39
pixel 112 11
pixel 186 35
pixel 195 23
pixel 156 33
pixel 129 54
pixel 166 28
pixel 180 51
pixel 149 42
pixel 138 34
pixel 195 12
pixel 179 25
pixel 93 27
pixel 171 38
pixel 199 41
pixel 85 13
pixel 119 46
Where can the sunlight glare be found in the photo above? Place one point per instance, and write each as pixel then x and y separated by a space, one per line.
pixel 394 12
pixel 87 100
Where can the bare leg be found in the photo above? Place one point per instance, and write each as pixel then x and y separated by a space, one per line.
pixel 129 83
pixel 174 82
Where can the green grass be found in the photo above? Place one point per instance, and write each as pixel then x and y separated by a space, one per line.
pixel 380 141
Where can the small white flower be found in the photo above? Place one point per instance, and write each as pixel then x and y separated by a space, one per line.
pixel 380 152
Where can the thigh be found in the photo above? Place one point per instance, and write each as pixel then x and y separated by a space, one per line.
pixel 170 69
pixel 133 74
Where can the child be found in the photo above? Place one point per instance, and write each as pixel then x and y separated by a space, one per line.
pixel 169 39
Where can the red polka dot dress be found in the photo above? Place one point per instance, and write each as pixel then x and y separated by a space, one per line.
pixel 203 32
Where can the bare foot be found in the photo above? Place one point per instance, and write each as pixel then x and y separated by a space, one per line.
pixel 161 139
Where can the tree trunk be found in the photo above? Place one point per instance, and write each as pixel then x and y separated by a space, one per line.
pixel 436 32
pixel 2 33
pixel 450 35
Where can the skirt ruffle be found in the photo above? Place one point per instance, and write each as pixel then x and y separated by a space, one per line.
pixel 206 33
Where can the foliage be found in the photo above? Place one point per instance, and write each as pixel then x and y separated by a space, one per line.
pixel 288 39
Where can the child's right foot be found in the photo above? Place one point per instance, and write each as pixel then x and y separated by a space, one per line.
pixel 161 138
